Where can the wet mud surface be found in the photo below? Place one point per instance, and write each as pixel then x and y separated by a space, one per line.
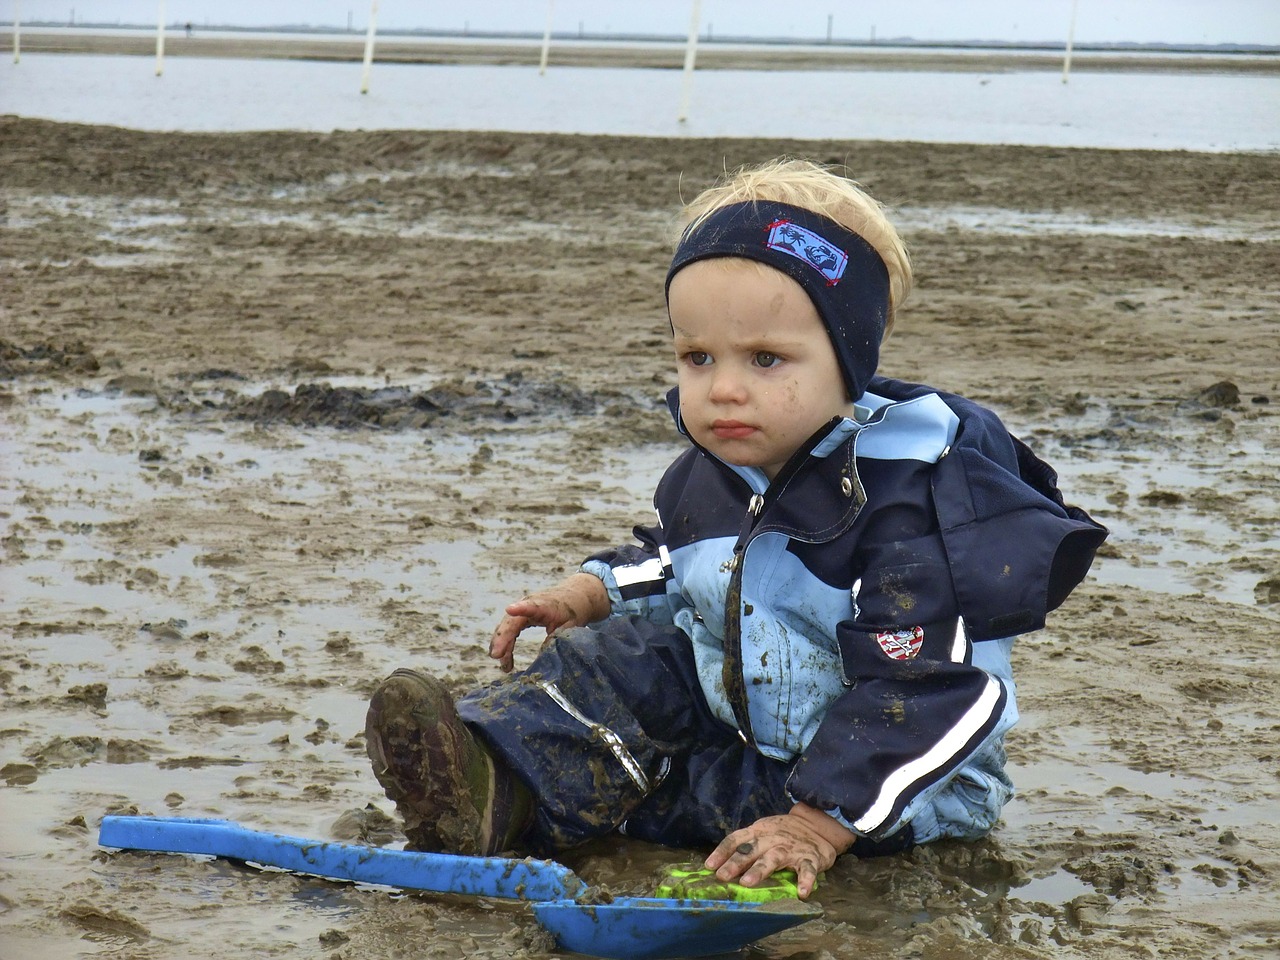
pixel 282 412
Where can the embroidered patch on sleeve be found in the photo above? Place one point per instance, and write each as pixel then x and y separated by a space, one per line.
pixel 803 244
pixel 901 644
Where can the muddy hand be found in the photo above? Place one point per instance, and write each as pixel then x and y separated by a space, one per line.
pixel 580 600
pixel 805 840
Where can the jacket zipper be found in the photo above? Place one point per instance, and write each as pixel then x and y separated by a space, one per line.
pixel 731 672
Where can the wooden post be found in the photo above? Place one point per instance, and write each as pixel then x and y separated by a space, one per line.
pixel 17 33
pixel 368 47
pixel 160 41
pixel 1071 37
pixel 546 40
pixel 690 54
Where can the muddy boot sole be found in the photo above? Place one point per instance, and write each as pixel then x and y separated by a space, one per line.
pixel 430 765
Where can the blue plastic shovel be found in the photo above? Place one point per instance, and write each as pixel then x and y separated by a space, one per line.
pixel 627 928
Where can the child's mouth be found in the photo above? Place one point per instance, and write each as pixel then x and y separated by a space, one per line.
pixel 732 429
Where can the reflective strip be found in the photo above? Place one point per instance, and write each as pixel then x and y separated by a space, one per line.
pixel 959 643
pixel 647 572
pixel 975 718
pixel 487 819
pixel 664 768
pixel 611 739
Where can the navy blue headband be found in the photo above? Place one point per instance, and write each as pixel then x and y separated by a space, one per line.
pixel 842 274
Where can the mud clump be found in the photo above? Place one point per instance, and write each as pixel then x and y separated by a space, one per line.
pixel 1224 393
pixel 92 695
pixel 100 923
pixel 368 826
pixel 399 408
pixel 47 358
pixel 67 752
pixel 254 659
pixel 19 774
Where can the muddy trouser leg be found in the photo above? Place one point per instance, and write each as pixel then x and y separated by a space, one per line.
pixel 609 729
pixel 602 720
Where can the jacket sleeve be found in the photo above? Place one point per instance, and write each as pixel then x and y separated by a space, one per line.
pixel 639 578
pixel 1016 550
pixel 916 710
pixel 1014 547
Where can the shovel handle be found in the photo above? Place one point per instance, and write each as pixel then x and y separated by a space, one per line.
pixel 527 879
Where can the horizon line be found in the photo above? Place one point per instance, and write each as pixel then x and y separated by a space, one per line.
pixel 900 41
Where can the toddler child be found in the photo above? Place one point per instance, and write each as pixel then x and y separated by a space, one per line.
pixel 809 652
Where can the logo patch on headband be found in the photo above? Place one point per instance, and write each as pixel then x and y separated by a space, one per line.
pixel 828 259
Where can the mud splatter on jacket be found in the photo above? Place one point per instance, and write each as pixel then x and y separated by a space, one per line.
pixel 855 614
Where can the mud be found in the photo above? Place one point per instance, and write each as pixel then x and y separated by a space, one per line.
pixel 281 412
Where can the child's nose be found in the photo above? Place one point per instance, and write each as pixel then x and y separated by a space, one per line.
pixel 727 386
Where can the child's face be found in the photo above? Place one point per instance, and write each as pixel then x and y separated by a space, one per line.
pixel 757 372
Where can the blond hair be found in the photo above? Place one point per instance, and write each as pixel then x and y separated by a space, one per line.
pixel 803 183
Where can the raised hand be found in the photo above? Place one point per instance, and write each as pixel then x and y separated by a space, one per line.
pixel 578 601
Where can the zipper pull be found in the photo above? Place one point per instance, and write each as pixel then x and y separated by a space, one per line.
pixel 754 508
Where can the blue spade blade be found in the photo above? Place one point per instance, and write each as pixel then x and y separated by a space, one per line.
pixel 647 928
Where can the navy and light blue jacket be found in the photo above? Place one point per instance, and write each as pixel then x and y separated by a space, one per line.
pixel 854 617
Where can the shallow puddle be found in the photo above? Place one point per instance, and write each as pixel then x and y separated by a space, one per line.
pixel 1066 223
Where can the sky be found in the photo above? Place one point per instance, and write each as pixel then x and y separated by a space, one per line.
pixel 1098 21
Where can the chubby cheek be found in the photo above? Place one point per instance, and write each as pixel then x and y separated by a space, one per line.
pixel 689 414
pixel 784 397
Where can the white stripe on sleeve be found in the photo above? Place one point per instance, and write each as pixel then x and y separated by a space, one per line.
pixel 648 572
pixel 938 756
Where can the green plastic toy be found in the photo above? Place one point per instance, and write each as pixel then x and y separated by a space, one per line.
pixel 691 882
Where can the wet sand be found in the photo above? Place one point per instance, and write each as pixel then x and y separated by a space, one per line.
pixel 281 412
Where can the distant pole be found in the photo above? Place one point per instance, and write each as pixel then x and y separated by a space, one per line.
pixel 17 33
pixel 1071 36
pixel 690 54
pixel 830 20
pixel 160 42
pixel 368 47
pixel 546 39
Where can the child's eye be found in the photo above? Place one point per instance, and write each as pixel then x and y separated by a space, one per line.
pixel 767 359
pixel 698 358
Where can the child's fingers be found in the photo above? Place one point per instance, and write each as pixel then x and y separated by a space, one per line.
pixel 751 855
pixel 736 848
pixel 503 642
pixel 549 614
pixel 524 607
pixel 806 878
pixel 538 612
